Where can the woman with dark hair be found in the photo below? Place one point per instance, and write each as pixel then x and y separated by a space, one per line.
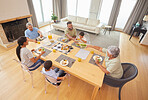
pixel 26 56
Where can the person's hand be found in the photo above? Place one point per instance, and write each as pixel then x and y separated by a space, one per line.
pixel 35 41
pixel 32 50
pixel 41 35
pixel 96 61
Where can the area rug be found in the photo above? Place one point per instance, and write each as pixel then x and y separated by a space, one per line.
pixel 102 40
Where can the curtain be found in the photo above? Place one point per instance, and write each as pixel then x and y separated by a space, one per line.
pixel 32 12
pixel 114 13
pixel 140 9
pixel 60 8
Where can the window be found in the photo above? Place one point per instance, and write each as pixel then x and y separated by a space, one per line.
pixel 106 10
pixel 38 12
pixel 79 8
pixel 43 10
pixel 72 7
pixel 124 13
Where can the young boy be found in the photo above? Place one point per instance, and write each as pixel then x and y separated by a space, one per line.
pixel 81 36
pixel 53 72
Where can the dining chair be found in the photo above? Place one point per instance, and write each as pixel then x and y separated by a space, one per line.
pixel 25 68
pixel 129 72
pixel 52 81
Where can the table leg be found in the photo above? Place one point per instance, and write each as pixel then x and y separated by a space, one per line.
pixel 94 92
pixel 131 35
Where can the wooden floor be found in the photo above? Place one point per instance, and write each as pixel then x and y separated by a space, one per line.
pixel 12 86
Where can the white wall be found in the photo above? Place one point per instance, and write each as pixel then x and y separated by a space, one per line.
pixel 13 8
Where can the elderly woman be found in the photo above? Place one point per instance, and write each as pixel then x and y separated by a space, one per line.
pixel 112 61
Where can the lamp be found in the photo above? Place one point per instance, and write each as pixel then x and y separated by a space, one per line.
pixel 145 18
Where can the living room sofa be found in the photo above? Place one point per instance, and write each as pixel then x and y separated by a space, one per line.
pixel 81 23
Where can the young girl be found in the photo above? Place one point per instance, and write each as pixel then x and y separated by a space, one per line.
pixel 26 56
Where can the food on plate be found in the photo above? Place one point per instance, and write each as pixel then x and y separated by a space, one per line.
pixel 64 62
pixel 65 47
pixel 39 49
pixel 82 45
pixel 64 40
pixel 77 44
pixel 97 58
pixel 52 41
pixel 39 39
pixel 43 49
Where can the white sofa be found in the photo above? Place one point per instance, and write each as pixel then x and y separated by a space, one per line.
pixel 81 23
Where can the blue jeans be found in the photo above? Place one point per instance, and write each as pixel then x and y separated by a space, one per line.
pixel 61 72
pixel 36 65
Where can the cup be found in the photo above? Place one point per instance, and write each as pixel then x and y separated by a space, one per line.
pixel 49 36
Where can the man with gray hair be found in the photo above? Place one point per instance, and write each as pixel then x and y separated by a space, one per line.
pixel 112 61
pixel 32 32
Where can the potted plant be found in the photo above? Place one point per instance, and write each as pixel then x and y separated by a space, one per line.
pixel 54 18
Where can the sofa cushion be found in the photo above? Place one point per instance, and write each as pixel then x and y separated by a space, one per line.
pixel 77 25
pixel 60 25
pixel 81 20
pixel 92 22
pixel 89 28
pixel 72 18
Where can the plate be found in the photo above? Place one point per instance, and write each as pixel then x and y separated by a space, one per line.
pixel 40 39
pixel 96 56
pixel 64 39
pixel 39 50
pixel 82 45
pixel 52 41
pixel 61 62
pixel 48 43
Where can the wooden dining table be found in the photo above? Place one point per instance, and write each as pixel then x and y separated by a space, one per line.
pixel 83 70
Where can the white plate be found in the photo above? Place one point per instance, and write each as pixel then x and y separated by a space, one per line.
pixel 64 64
pixel 40 39
pixel 48 43
pixel 97 56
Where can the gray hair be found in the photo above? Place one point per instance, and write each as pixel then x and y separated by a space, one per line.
pixel 28 24
pixel 113 50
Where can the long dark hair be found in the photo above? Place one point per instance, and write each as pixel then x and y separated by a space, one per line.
pixel 20 42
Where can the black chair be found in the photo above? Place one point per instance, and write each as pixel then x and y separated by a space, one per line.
pixel 130 72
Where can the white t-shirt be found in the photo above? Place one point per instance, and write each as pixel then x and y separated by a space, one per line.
pixel 113 66
pixel 50 73
pixel 26 55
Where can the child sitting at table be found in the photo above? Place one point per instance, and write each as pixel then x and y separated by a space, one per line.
pixel 49 70
pixel 82 38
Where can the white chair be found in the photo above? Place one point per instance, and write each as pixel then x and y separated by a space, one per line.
pixel 54 82
pixel 25 68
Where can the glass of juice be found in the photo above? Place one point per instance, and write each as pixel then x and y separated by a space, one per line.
pixel 50 36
